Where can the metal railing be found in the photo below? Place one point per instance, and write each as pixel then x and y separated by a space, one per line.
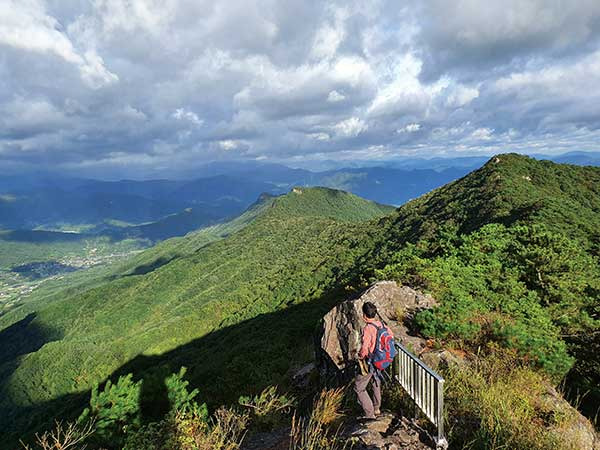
pixel 424 386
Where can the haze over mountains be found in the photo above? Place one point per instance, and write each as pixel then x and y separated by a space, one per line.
pixel 217 192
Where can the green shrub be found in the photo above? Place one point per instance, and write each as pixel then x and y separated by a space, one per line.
pixel 114 409
pixel 189 431
pixel 119 409
pixel 180 399
pixel 521 286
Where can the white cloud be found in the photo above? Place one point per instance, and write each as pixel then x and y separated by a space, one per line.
pixel 461 96
pixel 31 116
pixel 179 82
pixel 351 127
pixel 229 144
pixel 483 134
pixel 467 34
pixel 189 116
pixel 403 92
pixel 93 71
pixel 579 78
pixel 334 96
pixel 329 37
pixel 352 70
pixel 410 128
pixel 25 25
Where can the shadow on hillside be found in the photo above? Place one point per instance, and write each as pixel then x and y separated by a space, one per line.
pixel 150 267
pixel 19 339
pixel 239 359
pixel 40 236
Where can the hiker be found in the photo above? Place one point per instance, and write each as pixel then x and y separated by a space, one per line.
pixel 369 371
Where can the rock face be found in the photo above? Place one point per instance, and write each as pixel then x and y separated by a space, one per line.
pixel 389 432
pixel 581 432
pixel 337 345
pixel 339 337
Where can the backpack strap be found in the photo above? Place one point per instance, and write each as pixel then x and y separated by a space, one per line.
pixel 376 327
pixel 381 319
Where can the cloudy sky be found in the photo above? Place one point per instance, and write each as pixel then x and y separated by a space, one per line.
pixel 151 85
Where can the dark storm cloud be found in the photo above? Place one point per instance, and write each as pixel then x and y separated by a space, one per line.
pixel 150 86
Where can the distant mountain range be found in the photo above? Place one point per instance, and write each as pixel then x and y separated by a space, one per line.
pixel 158 209
pixel 53 201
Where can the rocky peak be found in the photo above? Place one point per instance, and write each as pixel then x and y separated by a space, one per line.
pixel 339 337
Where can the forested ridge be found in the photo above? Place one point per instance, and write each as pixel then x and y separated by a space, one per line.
pixel 510 251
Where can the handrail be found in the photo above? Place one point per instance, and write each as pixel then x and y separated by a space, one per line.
pixel 425 387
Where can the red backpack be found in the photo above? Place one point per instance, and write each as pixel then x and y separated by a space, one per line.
pixel 385 348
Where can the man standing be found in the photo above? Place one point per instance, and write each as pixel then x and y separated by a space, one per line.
pixel 370 407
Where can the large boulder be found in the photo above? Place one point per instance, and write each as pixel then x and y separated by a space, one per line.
pixel 339 337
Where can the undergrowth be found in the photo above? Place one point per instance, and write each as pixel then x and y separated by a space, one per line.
pixel 497 402
pixel 115 420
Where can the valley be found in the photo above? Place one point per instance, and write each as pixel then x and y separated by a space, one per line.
pixel 17 283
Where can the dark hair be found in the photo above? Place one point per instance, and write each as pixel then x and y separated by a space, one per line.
pixel 369 310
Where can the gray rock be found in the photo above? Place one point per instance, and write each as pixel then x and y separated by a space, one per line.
pixel 389 432
pixel 302 377
pixel 339 337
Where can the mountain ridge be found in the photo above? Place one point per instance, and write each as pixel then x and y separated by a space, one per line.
pixel 302 263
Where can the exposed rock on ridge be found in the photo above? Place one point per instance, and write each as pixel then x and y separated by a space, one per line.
pixel 338 340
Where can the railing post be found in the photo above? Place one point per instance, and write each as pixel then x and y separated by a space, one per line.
pixel 415 388
pixel 441 440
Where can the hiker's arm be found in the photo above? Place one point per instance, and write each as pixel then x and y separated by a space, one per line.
pixel 367 342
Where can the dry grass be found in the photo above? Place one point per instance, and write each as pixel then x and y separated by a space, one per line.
pixel 327 408
pixel 189 431
pixel 63 437
pixel 318 431
pixel 399 314
pixel 268 402
pixel 226 432
pixel 497 403
pixel 268 409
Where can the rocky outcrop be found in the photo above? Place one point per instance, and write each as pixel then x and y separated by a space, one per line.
pixel 580 432
pixel 389 432
pixel 339 337
pixel 337 345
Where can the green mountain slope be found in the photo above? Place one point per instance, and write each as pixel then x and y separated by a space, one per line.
pixel 136 264
pixel 290 253
pixel 509 189
pixel 511 251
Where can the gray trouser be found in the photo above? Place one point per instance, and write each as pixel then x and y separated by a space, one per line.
pixel 360 387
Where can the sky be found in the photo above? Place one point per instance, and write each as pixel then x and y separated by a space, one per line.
pixel 145 86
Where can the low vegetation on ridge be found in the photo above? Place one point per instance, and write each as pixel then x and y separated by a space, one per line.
pixel 510 251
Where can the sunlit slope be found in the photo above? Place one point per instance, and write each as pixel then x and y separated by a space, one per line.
pixel 297 247
pixel 512 252
pixel 509 189
pixel 211 304
pixel 136 264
